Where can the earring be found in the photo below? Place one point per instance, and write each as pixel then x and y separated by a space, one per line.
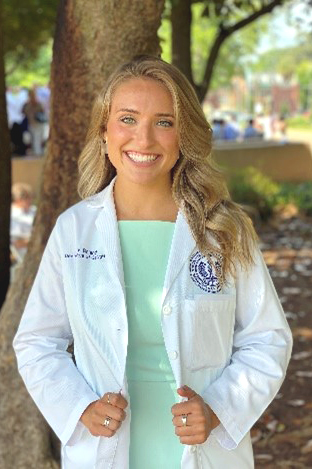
pixel 105 146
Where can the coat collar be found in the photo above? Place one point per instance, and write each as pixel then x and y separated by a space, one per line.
pixel 183 242
pixel 103 198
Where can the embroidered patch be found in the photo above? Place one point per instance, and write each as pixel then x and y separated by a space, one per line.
pixel 86 254
pixel 203 272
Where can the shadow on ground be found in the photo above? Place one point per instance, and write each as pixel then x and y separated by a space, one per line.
pixel 283 436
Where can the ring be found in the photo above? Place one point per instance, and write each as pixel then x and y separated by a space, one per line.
pixel 184 420
pixel 106 421
pixel 108 400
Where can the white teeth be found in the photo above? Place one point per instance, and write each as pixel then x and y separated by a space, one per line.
pixel 139 158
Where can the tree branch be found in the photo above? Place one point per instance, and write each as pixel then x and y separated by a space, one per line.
pixel 249 19
pixel 222 34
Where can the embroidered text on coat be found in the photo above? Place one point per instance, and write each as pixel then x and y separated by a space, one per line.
pixel 86 254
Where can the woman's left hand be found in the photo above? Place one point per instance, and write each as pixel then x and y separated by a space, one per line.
pixel 193 419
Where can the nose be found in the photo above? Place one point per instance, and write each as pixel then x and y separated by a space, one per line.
pixel 145 135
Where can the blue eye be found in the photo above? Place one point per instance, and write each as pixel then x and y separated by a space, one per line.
pixel 164 123
pixel 127 120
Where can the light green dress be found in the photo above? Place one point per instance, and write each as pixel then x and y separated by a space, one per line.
pixel 145 247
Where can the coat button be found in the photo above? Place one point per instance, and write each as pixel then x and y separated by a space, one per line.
pixel 167 310
pixel 173 355
pixel 192 449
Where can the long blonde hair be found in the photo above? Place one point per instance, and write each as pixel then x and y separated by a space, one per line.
pixel 219 226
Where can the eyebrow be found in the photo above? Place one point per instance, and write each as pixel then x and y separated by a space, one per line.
pixel 158 114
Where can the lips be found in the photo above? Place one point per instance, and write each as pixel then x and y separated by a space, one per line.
pixel 142 157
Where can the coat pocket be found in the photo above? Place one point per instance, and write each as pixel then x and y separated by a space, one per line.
pixel 210 331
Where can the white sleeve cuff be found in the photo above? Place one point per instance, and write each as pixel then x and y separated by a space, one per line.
pixel 226 433
pixel 75 428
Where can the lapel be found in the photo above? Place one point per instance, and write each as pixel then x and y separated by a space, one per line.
pixel 107 225
pixel 183 243
pixel 107 229
pixel 182 246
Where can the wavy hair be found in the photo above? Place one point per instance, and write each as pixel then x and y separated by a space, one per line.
pixel 220 227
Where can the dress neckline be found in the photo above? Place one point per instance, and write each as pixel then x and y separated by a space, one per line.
pixel 147 221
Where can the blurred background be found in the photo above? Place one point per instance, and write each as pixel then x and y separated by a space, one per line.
pixel 254 82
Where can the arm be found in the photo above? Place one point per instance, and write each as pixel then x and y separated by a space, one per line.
pixel 261 352
pixel 44 334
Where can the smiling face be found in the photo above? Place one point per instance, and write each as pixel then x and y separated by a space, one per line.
pixel 141 135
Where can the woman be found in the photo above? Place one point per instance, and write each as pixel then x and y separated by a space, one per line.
pixel 156 278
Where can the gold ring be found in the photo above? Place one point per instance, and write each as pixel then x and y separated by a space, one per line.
pixel 108 400
pixel 184 420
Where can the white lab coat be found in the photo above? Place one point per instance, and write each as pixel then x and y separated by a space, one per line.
pixel 231 346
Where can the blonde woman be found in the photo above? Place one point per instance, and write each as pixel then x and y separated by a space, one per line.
pixel 155 276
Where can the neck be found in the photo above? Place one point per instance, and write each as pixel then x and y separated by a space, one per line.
pixel 144 202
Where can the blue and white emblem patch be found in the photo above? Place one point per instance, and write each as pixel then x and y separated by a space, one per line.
pixel 203 273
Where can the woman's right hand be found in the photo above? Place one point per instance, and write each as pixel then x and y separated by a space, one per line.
pixel 104 417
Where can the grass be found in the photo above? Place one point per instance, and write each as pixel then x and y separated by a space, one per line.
pixel 303 122
pixel 250 186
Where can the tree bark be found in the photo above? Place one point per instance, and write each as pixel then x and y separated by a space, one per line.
pixel 5 179
pixel 181 20
pixel 91 39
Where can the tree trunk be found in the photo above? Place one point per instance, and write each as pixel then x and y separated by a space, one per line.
pixel 5 180
pixel 181 20
pixel 91 39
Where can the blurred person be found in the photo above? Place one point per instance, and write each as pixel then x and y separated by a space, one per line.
pixel 36 118
pixel 251 130
pixel 156 278
pixel 43 94
pixel 15 100
pixel 264 123
pixel 281 129
pixel 22 217
pixel 231 130
pixel 217 129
